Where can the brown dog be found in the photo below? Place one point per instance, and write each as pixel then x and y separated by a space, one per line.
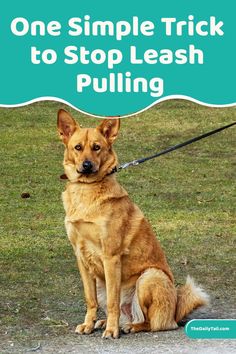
pixel 122 265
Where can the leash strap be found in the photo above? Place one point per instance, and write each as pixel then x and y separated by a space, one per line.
pixel 171 148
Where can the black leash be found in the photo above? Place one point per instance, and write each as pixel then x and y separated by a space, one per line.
pixel 171 148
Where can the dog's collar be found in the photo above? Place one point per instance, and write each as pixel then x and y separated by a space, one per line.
pixel 114 170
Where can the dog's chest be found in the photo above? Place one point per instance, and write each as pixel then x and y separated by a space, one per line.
pixel 85 227
pixel 88 247
pixel 80 204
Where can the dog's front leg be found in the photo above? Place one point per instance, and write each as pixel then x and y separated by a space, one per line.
pixel 89 285
pixel 112 269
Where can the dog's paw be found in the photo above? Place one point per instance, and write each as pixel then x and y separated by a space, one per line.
pixel 84 328
pixel 128 328
pixel 100 324
pixel 112 333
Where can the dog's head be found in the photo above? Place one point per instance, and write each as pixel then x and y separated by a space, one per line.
pixel 88 156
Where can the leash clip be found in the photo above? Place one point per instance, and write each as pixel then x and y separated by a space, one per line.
pixel 128 164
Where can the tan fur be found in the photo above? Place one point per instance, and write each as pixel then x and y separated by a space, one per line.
pixel 189 297
pixel 121 263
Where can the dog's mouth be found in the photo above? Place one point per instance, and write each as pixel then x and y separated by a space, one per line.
pixel 86 172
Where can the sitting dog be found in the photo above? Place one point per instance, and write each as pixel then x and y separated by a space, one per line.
pixel 122 266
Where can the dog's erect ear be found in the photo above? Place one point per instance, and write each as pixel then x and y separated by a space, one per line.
pixel 109 129
pixel 66 125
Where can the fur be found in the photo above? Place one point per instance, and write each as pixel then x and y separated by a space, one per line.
pixel 122 265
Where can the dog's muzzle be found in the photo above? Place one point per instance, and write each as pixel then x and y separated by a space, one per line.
pixel 87 168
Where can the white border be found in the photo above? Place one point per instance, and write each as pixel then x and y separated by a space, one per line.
pixel 170 97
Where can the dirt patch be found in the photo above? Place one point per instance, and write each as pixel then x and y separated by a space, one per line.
pixel 151 343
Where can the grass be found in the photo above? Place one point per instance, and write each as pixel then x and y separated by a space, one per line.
pixel 187 195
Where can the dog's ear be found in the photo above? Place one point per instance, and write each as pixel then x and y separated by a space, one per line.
pixel 66 125
pixel 109 129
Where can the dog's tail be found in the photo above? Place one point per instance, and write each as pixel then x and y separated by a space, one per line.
pixel 189 297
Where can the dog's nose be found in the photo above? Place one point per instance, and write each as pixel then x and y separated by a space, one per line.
pixel 87 165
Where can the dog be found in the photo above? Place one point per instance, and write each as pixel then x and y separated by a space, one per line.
pixel 122 265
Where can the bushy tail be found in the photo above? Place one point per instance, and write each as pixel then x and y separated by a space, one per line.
pixel 189 297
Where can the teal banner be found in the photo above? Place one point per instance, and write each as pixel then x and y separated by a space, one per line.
pixel 211 329
pixel 117 58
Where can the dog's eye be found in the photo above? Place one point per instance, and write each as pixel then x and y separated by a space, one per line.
pixel 78 147
pixel 96 147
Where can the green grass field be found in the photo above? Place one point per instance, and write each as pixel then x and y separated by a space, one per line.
pixel 187 195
